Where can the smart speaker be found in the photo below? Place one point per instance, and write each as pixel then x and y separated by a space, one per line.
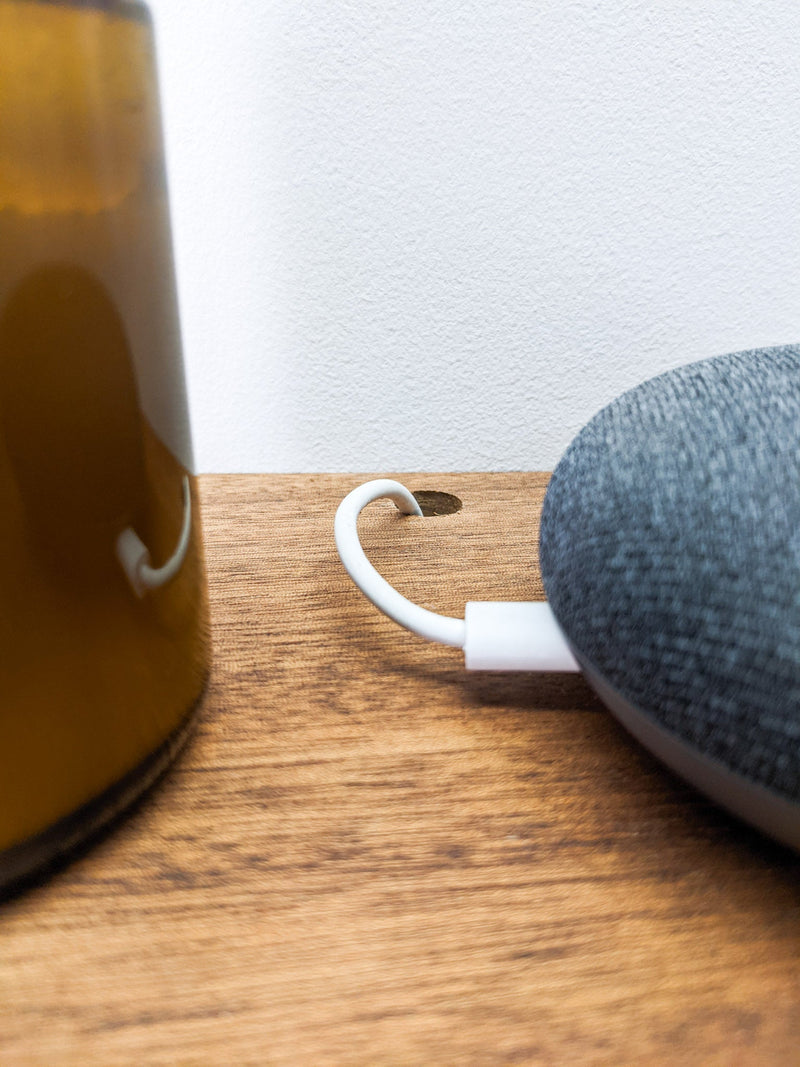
pixel 670 554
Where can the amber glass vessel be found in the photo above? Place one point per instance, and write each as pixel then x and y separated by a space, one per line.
pixel 103 637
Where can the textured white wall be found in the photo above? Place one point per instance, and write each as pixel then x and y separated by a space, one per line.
pixel 439 235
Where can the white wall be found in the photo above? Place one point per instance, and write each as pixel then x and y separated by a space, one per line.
pixel 439 235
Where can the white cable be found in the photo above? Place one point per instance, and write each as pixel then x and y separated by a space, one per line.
pixel 134 555
pixel 495 635
pixel 428 624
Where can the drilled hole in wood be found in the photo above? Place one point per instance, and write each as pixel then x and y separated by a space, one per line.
pixel 434 503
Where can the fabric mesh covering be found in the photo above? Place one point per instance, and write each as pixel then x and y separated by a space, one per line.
pixel 670 554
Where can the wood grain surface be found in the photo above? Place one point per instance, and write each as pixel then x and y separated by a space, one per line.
pixel 368 856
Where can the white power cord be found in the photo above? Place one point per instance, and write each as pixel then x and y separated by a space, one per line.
pixel 495 635
pixel 134 555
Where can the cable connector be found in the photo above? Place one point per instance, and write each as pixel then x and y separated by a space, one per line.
pixel 507 635
pixel 495 635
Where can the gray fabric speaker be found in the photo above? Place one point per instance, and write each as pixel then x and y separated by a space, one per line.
pixel 670 553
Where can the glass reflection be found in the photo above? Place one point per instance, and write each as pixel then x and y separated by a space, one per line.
pixel 96 673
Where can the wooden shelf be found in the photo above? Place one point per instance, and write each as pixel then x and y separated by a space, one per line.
pixel 368 856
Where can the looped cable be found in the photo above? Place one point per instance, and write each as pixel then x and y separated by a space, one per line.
pixel 134 556
pixel 441 628
pixel 495 635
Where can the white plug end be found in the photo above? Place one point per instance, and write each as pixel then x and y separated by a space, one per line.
pixel 495 635
pixel 512 636
pixel 134 556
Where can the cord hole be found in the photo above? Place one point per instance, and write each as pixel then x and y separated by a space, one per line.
pixel 434 503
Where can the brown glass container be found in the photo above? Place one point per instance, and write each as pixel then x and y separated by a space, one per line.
pixel 103 636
